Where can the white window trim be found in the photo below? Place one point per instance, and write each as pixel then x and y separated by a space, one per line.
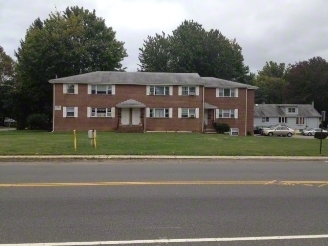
pixel 107 85
pixel 112 114
pixel 150 87
pixel 188 86
pixel 235 114
pixel 170 112
pixel 76 89
pixel 218 92
pixel 76 110
pixel 189 114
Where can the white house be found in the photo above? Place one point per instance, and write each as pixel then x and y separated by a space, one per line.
pixel 296 116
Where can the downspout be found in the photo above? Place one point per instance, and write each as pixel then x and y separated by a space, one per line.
pixel 203 109
pixel 246 113
pixel 53 109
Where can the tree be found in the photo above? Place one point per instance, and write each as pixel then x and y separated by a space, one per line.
pixel 192 49
pixel 308 82
pixel 67 43
pixel 272 84
pixel 7 74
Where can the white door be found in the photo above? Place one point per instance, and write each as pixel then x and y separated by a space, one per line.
pixel 135 116
pixel 206 116
pixel 125 116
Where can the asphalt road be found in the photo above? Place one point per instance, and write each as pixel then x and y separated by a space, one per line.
pixel 123 201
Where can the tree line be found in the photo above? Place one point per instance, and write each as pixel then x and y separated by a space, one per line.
pixel 77 41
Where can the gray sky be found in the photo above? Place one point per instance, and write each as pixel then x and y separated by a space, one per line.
pixel 286 31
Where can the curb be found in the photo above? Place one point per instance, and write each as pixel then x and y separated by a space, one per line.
pixel 162 157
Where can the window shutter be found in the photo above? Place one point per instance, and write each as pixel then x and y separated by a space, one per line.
pixel 170 112
pixel 113 112
pixel 147 112
pixel 76 89
pixel 197 112
pixel 147 90
pixel 217 92
pixel 76 111
pixel 88 111
pixel 217 113
pixel 179 112
pixel 113 89
pixel 236 113
pixel 89 89
pixel 197 90
pixel 236 92
pixel 171 90
pixel 64 89
pixel 180 90
pixel 64 111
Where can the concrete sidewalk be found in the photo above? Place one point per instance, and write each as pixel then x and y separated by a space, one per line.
pixel 163 157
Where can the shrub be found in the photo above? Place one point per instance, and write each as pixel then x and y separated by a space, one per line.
pixel 221 127
pixel 37 121
pixel 321 135
pixel 249 133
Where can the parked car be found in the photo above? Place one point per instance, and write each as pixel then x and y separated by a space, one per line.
pixel 312 131
pixel 258 129
pixel 269 127
pixel 279 131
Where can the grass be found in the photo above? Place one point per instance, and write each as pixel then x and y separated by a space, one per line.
pixel 109 143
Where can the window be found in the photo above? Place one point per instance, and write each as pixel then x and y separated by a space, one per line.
pixel 70 88
pixel 159 113
pixel 291 110
pixel 101 112
pixel 70 112
pixel 188 90
pixel 227 92
pixel 102 89
pixel 300 120
pixel 282 119
pixel 159 90
pixel 188 113
pixel 265 119
pixel 226 113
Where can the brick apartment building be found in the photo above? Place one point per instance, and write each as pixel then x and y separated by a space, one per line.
pixel 142 101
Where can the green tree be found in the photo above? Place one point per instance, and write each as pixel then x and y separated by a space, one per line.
pixel 192 49
pixel 272 84
pixel 67 43
pixel 7 74
pixel 308 82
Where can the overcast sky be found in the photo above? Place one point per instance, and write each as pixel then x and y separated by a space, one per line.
pixel 286 31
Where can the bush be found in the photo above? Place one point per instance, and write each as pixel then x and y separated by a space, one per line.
pixel 37 122
pixel 321 135
pixel 221 127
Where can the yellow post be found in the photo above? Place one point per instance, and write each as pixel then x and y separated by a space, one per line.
pixel 94 140
pixel 74 140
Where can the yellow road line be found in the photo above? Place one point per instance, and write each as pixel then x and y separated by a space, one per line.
pixel 60 184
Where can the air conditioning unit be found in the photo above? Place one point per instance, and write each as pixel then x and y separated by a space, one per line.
pixel 192 94
pixel 192 116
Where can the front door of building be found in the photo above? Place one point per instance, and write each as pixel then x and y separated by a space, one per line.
pixel 135 116
pixel 125 116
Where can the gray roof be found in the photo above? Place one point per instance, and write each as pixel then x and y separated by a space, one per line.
pixel 138 78
pixel 131 103
pixel 274 110
pixel 222 83
pixel 148 78
pixel 209 106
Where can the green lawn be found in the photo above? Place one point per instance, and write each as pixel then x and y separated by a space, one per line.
pixel 109 143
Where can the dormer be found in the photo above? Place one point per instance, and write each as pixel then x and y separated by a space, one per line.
pixel 289 109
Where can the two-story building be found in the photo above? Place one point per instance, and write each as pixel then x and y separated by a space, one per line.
pixel 144 101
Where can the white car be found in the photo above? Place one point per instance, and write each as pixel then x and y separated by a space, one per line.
pixel 312 131
pixel 279 131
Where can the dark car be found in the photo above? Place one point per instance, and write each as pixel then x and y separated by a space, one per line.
pixel 258 129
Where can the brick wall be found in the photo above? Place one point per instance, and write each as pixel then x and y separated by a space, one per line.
pixel 82 100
